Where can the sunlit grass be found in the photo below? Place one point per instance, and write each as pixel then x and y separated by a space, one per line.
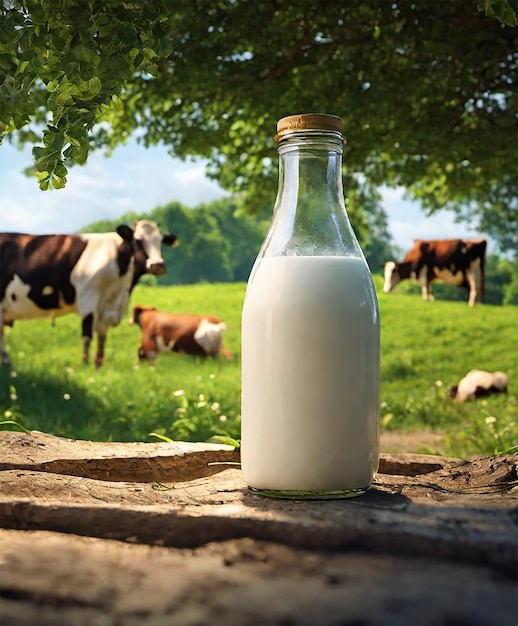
pixel 426 347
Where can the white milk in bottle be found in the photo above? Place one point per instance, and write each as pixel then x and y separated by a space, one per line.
pixel 310 338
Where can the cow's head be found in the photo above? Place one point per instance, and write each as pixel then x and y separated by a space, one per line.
pixel 147 239
pixel 392 277
pixel 138 309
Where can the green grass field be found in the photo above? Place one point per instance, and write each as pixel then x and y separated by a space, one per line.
pixel 426 347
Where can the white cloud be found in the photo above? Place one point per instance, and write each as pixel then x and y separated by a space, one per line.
pixel 138 179
pixel 408 222
pixel 133 179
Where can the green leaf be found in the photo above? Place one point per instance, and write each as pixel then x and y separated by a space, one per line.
pixel 501 9
pixel 161 437
pixel 223 439
pixel 13 423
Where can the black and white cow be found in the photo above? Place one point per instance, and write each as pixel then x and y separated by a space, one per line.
pixel 479 383
pixel 91 275
pixel 457 262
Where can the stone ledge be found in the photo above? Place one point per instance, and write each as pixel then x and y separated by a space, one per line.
pixel 146 462
pixel 140 534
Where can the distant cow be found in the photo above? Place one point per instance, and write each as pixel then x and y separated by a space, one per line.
pixel 197 335
pixel 478 383
pixel 88 274
pixel 457 262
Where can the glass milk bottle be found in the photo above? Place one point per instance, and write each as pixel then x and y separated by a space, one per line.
pixel 310 332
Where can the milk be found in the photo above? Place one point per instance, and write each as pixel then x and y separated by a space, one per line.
pixel 310 375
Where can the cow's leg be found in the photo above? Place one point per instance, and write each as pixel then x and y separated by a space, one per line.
pixel 88 325
pixel 424 281
pixel 101 342
pixel 3 349
pixel 215 348
pixel 148 350
pixel 427 292
pixel 472 282
pixel 474 279
pixel 87 307
pixel 147 356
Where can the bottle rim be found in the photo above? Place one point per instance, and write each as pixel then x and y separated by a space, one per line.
pixel 322 122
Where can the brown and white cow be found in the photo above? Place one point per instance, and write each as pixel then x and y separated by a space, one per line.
pixel 457 262
pixel 88 274
pixel 190 333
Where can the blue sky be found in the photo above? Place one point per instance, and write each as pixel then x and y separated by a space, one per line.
pixel 138 179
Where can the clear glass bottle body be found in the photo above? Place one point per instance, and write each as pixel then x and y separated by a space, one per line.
pixel 310 336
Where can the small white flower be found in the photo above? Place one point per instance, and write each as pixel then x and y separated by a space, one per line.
pixel 178 393
pixel 66 396
pixel 490 420
pixel 223 418
pixel 215 406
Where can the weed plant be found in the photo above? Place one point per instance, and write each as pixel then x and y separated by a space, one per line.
pixel 426 347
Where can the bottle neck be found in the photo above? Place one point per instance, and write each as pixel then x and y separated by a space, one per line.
pixel 309 215
pixel 310 170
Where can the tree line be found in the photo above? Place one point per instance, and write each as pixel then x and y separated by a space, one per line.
pixel 219 242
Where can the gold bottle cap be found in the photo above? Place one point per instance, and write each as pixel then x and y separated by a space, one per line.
pixel 309 121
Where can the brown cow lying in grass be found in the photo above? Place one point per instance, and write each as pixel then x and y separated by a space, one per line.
pixel 189 333
pixel 478 383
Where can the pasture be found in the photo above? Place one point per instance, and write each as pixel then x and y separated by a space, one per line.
pixel 426 347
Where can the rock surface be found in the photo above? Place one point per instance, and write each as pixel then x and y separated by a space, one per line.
pixel 145 534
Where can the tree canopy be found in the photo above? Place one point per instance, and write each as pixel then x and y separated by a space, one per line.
pixel 427 90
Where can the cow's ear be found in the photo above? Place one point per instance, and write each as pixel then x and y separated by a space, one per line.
pixel 125 232
pixel 170 240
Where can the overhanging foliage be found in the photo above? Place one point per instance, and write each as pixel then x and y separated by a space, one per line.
pixel 427 89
